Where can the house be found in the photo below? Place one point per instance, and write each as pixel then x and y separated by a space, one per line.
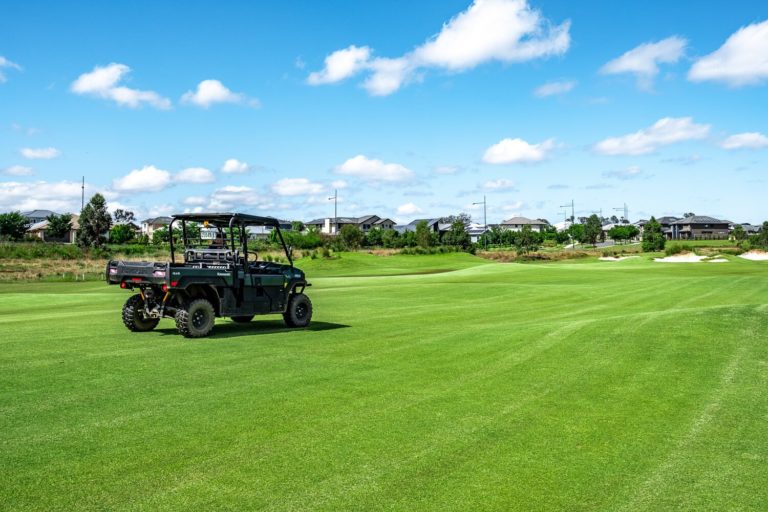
pixel 332 225
pixel 750 229
pixel 149 226
pixel 35 216
pixel 666 225
pixel 475 231
pixel 262 232
pixel 432 224
pixel 699 227
pixel 38 230
pixel 517 223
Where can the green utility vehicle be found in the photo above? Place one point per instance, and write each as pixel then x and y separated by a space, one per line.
pixel 218 278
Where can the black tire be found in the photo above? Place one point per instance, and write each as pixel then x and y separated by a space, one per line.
pixel 242 319
pixel 133 315
pixel 299 311
pixel 196 319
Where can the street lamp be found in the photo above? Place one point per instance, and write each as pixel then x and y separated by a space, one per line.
pixel 485 222
pixel 335 214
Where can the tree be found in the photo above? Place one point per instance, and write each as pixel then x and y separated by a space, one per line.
pixel 618 233
pixel 121 233
pixel 457 235
pixel 653 238
pixel 614 219
pixel 632 232
pixel 423 236
pixel 390 238
pixel 297 225
pixel 95 221
pixel 593 229
pixel 121 215
pixel 464 218
pixel 59 226
pixel 738 233
pixel 527 241
pixel 577 232
pixel 689 214
pixel 13 226
pixel 374 237
pixel 351 237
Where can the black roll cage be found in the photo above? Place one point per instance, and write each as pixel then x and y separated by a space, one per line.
pixel 239 220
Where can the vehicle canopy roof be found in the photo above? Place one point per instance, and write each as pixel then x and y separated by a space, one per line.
pixel 223 219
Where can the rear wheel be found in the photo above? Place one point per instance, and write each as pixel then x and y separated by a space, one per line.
pixel 242 319
pixel 134 317
pixel 196 318
pixel 299 311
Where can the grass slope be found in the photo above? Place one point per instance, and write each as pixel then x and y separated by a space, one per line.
pixel 603 386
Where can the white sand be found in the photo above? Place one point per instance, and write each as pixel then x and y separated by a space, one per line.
pixel 755 256
pixel 682 258
pixel 617 258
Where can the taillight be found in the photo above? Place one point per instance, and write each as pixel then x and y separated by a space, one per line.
pixel 165 287
pixel 136 279
pixel 122 285
pixel 174 283
pixel 159 273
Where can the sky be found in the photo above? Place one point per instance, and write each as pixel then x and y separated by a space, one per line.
pixel 407 109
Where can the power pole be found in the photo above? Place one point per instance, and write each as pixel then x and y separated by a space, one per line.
pixel 573 211
pixel 335 208
pixel 82 195
pixel 485 222
pixel 625 209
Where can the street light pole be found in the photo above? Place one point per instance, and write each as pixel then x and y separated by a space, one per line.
pixel 335 211
pixel 485 222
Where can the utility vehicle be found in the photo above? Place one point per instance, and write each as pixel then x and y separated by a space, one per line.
pixel 217 278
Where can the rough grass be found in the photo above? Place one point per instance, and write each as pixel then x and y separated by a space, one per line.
pixel 568 386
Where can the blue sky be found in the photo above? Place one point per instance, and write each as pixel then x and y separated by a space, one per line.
pixel 410 109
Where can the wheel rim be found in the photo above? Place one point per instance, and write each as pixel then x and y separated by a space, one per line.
pixel 301 311
pixel 199 319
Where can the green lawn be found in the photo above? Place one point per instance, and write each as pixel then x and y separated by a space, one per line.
pixel 450 384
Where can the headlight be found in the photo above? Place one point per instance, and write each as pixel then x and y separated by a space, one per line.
pixel 112 271
pixel 159 273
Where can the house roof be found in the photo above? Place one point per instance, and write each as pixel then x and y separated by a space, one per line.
pixel 667 220
pixel 699 219
pixel 157 220
pixel 525 220
pixel 38 226
pixel 38 213
pixel 342 220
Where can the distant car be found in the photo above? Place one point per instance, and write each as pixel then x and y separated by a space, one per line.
pixel 218 278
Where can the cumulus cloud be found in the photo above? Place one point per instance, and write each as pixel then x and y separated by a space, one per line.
pixel 235 166
pixel 62 196
pixel 296 187
pixel 194 175
pixel 195 200
pixel 209 92
pixel 629 173
pixel 643 61
pixel 234 196
pixel 146 179
pixel 749 140
pixel 446 169
pixel 512 151
pixel 665 131
pixel 373 169
pixel 489 30
pixel 341 64
pixel 741 60
pixel 498 185
pixel 18 170
pixel 339 184
pixel 408 209
pixel 513 207
pixel 5 63
pixel 40 153
pixel 554 88
pixel 103 82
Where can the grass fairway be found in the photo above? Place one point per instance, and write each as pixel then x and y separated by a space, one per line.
pixel 565 386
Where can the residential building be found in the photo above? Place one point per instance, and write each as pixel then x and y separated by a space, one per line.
pixel 699 227
pixel 666 225
pixel 149 226
pixel 517 224
pixel 333 225
pixel 35 216
pixel 38 230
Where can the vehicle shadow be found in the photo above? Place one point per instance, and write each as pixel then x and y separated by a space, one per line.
pixel 228 329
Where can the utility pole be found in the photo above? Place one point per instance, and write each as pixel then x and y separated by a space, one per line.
pixel 335 208
pixel 82 195
pixel 625 209
pixel 573 212
pixel 485 222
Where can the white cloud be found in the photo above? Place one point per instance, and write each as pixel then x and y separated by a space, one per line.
pixel 741 60
pixel 408 209
pixel 18 170
pixel 5 63
pixel 513 207
pixel 668 130
pixel 629 173
pixel 195 200
pixel 489 30
pixel 40 153
pixel 498 185
pixel 372 169
pixel 643 61
pixel 194 175
pixel 103 82
pixel 749 140
pixel 238 197
pixel 339 184
pixel 235 166
pixel 511 151
pixel 146 179
pixel 210 92
pixel 446 169
pixel 341 64
pixel 61 197
pixel 553 88
pixel 297 187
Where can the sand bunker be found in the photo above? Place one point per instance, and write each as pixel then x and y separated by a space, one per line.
pixel 682 258
pixel 717 260
pixel 617 258
pixel 755 256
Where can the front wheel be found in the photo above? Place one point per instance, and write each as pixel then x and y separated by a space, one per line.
pixel 196 319
pixel 299 311
pixel 133 315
